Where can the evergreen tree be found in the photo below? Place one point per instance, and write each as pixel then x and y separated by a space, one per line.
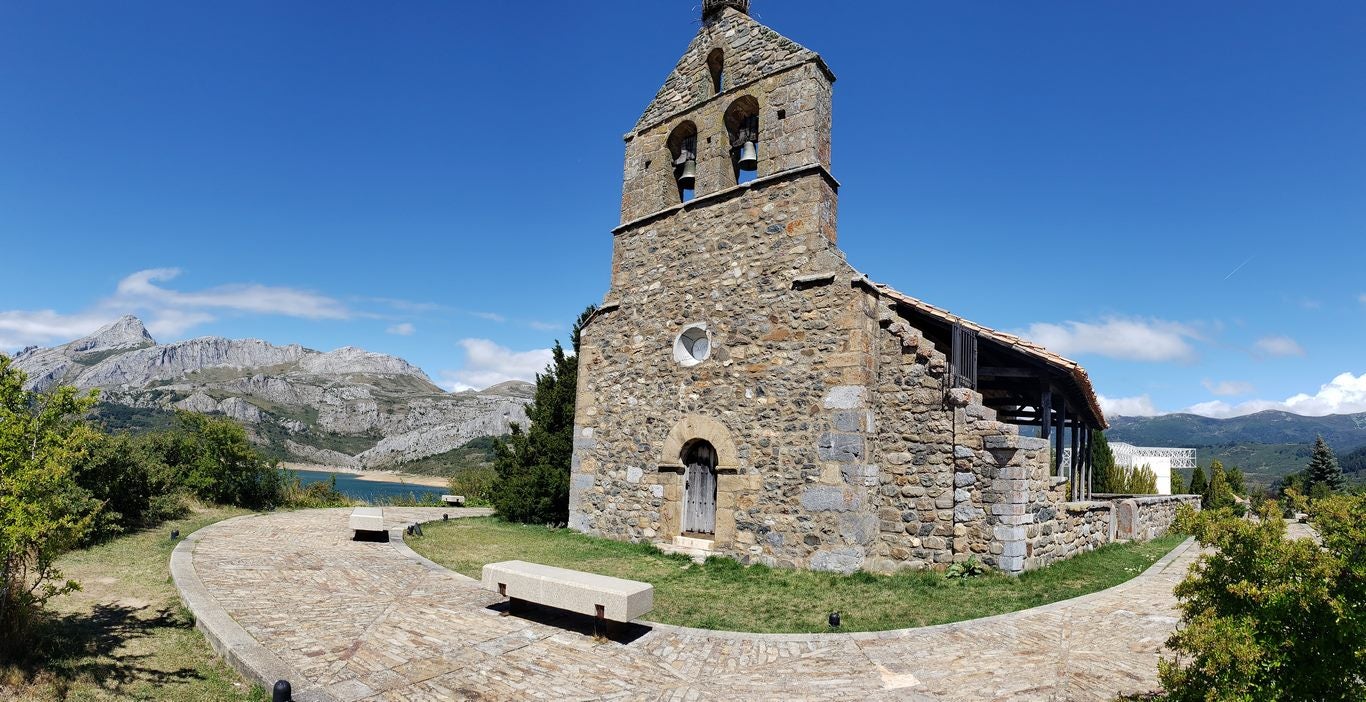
pixel 1324 469
pixel 1102 463
pixel 533 464
pixel 1217 494
pixel 1235 481
pixel 1198 484
pixel 1178 487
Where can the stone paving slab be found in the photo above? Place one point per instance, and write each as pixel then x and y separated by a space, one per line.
pixel 359 620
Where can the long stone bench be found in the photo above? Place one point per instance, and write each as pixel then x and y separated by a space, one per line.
pixel 367 519
pixel 600 596
pixel 454 500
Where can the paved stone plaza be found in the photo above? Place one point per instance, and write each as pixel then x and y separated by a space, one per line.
pixel 349 620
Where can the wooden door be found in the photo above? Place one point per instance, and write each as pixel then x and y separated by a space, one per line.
pixel 699 508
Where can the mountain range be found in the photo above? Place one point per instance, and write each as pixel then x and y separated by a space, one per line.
pixel 348 407
pixel 1265 445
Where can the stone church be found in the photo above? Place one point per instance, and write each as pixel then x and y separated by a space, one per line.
pixel 744 391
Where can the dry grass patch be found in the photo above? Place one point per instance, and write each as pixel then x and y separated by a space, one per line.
pixel 125 634
pixel 722 594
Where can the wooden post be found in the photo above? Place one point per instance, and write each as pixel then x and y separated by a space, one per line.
pixel 1045 411
pixel 1075 468
pixel 1057 438
pixel 1086 459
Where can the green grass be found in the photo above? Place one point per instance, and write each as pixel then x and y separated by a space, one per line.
pixel 125 634
pixel 722 594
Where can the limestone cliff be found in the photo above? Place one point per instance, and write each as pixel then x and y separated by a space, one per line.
pixel 347 407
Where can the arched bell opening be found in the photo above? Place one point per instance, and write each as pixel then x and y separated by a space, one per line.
pixel 683 156
pixel 699 475
pixel 742 126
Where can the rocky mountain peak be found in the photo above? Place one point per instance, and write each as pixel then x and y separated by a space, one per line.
pixel 125 332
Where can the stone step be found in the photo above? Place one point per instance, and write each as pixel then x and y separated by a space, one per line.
pixel 690 542
pixel 696 554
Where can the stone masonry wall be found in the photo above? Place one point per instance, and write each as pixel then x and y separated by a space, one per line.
pixel 1077 528
pixel 1148 517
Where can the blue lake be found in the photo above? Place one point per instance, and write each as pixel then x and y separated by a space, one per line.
pixel 368 490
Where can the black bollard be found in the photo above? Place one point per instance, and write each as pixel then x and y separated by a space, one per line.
pixel 834 620
pixel 417 530
pixel 175 534
pixel 445 517
pixel 283 692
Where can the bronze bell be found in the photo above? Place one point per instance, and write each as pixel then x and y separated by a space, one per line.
pixel 687 177
pixel 749 157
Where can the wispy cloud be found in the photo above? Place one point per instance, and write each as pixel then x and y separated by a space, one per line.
pixel 490 316
pixel 1228 388
pixel 1278 346
pixel 165 311
pixel 1138 406
pixel 403 329
pixel 1129 339
pixel 544 326
pixel 487 363
pixel 1344 394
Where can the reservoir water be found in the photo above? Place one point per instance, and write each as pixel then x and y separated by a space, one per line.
pixel 369 490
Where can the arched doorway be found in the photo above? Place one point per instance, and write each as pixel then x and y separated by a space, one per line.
pixel 699 505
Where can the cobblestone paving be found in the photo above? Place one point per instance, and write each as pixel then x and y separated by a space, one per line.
pixel 365 622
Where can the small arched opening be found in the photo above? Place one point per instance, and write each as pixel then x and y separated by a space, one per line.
pixel 699 506
pixel 742 125
pixel 716 71
pixel 683 156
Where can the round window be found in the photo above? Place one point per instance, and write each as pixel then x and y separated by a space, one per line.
pixel 693 345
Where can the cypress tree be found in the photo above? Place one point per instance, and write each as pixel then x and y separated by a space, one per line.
pixel 1102 463
pixel 1217 493
pixel 533 464
pixel 1324 469
pixel 1178 487
pixel 1198 484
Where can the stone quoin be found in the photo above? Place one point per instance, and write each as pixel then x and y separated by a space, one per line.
pixel 743 390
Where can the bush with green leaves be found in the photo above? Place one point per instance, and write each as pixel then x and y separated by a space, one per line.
pixel 212 458
pixel 475 484
pixel 1140 480
pixel 1270 618
pixel 43 511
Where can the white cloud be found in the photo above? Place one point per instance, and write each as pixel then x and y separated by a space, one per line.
pixel 1362 298
pixel 1140 406
pixel 491 316
pixel 165 311
pixel 1226 388
pixel 404 329
pixel 1126 339
pixel 1345 394
pixel 1278 346
pixel 487 363
pixel 544 326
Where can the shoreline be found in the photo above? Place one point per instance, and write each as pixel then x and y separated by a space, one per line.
pixel 378 476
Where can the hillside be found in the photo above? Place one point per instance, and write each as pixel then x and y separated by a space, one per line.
pixel 1266 445
pixel 347 407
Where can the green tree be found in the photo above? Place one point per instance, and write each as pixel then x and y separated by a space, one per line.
pixel 43 512
pixel 1324 470
pixel 214 460
pixel 1234 476
pixel 1217 495
pixel 1270 618
pixel 1102 463
pixel 533 464
pixel 1198 483
pixel 1177 487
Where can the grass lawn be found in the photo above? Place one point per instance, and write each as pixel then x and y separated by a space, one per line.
pixel 125 635
pixel 722 594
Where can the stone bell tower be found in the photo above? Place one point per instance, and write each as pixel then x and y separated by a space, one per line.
pixel 705 379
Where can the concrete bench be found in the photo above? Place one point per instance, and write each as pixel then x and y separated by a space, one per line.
pixel 454 500
pixel 600 596
pixel 368 519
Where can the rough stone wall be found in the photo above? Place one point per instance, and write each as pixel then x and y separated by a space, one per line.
pixel 795 118
pixel 787 379
pixel 751 51
pixel 1150 516
pixel 1077 527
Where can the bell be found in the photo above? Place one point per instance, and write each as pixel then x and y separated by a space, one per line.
pixel 749 157
pixel 688 176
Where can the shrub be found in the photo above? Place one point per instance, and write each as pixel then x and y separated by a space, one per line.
pixel 315 495
pixel 43 512
pixel 1266 618
pixel 476 484
pixel 1133 481
pixel 212 458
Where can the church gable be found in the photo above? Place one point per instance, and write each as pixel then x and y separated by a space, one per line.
pixel 741 48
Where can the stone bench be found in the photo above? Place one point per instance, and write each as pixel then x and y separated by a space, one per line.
pixel 367 519
pixel 599 596
pixel 454 500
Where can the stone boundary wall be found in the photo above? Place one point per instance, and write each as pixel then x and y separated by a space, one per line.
pixel 1150 516
pixel 1077 527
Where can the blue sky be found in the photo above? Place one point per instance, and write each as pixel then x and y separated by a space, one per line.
pixel 1172 193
